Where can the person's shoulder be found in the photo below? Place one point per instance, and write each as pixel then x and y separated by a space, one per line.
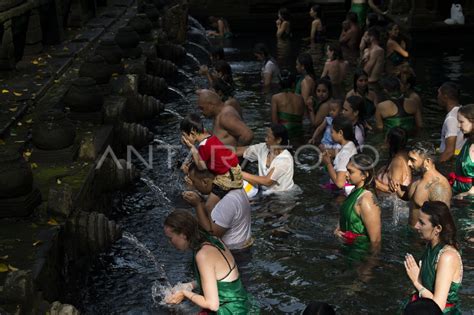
pixel 449 255
pixel 205 253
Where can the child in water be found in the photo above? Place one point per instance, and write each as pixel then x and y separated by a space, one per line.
pixel 327 143
pixel 212 155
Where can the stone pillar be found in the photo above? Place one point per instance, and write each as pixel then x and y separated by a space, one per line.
pixel 7 50
pixel 81 11
pixel 34 35
pixel 175 23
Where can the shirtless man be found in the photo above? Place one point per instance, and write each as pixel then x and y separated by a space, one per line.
pixel 227 126
pixel 351 33
pixel 373 58
pixel 432 186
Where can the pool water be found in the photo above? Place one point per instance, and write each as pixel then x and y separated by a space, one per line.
pixel 295 258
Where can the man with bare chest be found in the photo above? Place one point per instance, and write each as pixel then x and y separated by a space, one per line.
pixel 373 59
pixel 227 125
pixel 432 186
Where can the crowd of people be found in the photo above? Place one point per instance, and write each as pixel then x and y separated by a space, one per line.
pixel 381 100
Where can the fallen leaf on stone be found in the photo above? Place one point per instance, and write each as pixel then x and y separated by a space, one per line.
pixel 29 121
pixel 2 142
pixel 19 124
pixel 56 81
pixel 4 257
pixel 17 93
pixel 13 109
pixel 37 243
pixel 33 166
pixel 35 62
pixel 65 48
pixel 3 268
pixel 5 91
pixel 12 268
pixel 58 181
pixel 20 141
pixel 52 222
pixel 115 74
pixel 27 153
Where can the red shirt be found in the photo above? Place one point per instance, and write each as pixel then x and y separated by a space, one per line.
pixel 218 157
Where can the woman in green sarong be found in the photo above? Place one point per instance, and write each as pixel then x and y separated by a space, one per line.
pixel 439 275
pixel 461 179
pixel 217 276
pixel 287 107
pixel 360 216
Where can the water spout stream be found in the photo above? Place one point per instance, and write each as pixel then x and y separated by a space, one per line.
pixel 179 93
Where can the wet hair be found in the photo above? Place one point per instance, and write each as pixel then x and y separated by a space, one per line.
pixel 213 19
pixel 365 164
pixel 391 85
pixel 422 306
pixel 223 67
pixel 343 124
pixel 192 122
pixel 374 32
pixel 352 17
pixel 373 19
pixel 390 26
pixel 306 61
pixel 357 104
pixel 287 80
pixel 223 87
pixel 406 69
pixel 201 173
pixel 357 74
pixel 183 222
pixel 285 14
pixel 337 51
pixel 327 83
pixel 425 149
pixel 441 215
pixel 217 53
pixel 468 112
pixel 261 48
pixel 451 90
pixel 317 8
pixel 397 140
pixel 319 308
pixel 280 131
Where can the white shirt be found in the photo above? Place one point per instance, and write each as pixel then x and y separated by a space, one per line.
pixel 282 164
pixel 451 129
pixel 233 213
pixel 271 67
pixel 343 157
pixel 359 134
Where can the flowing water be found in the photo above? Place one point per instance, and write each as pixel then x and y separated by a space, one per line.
pixel 295 258
pixel 194 59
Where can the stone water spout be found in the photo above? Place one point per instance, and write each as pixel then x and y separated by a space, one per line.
pixel 143 107
pixel 53 131
pixel 84 96
pixel 92 232
pixel 142 25
pixel 161 68
pixel 134 134
pixel 18 196
pixel 152 85
pixel 128 39
pixel 115 174
pixel 171 52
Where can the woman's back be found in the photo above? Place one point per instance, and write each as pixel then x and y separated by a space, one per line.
pixel 222 260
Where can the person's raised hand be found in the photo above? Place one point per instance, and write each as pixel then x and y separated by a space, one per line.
pixel 192 198
pixel 412 268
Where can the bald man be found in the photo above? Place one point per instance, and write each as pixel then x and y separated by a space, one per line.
pixel 228 126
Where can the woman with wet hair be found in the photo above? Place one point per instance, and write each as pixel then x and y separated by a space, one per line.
pixel 361 88
pixel 360 216
pixel 438 276
pixel 461 179
pixel 270 70
pixel 336 69
pixel 318 105
pixel 288 107
pixel 218 284
pixel 283 23
pixel 353 109
pixel 397 168
pixel 397 53
pixel 317 28
pixel 305 85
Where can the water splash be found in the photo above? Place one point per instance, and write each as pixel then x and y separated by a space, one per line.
pixel 143 249
pixel 200 47
pixel 155 188
pixel 196 24
pixel 178 92
pixel 159 141
pixel 194 59
pixel 186 75
pixel 174 113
